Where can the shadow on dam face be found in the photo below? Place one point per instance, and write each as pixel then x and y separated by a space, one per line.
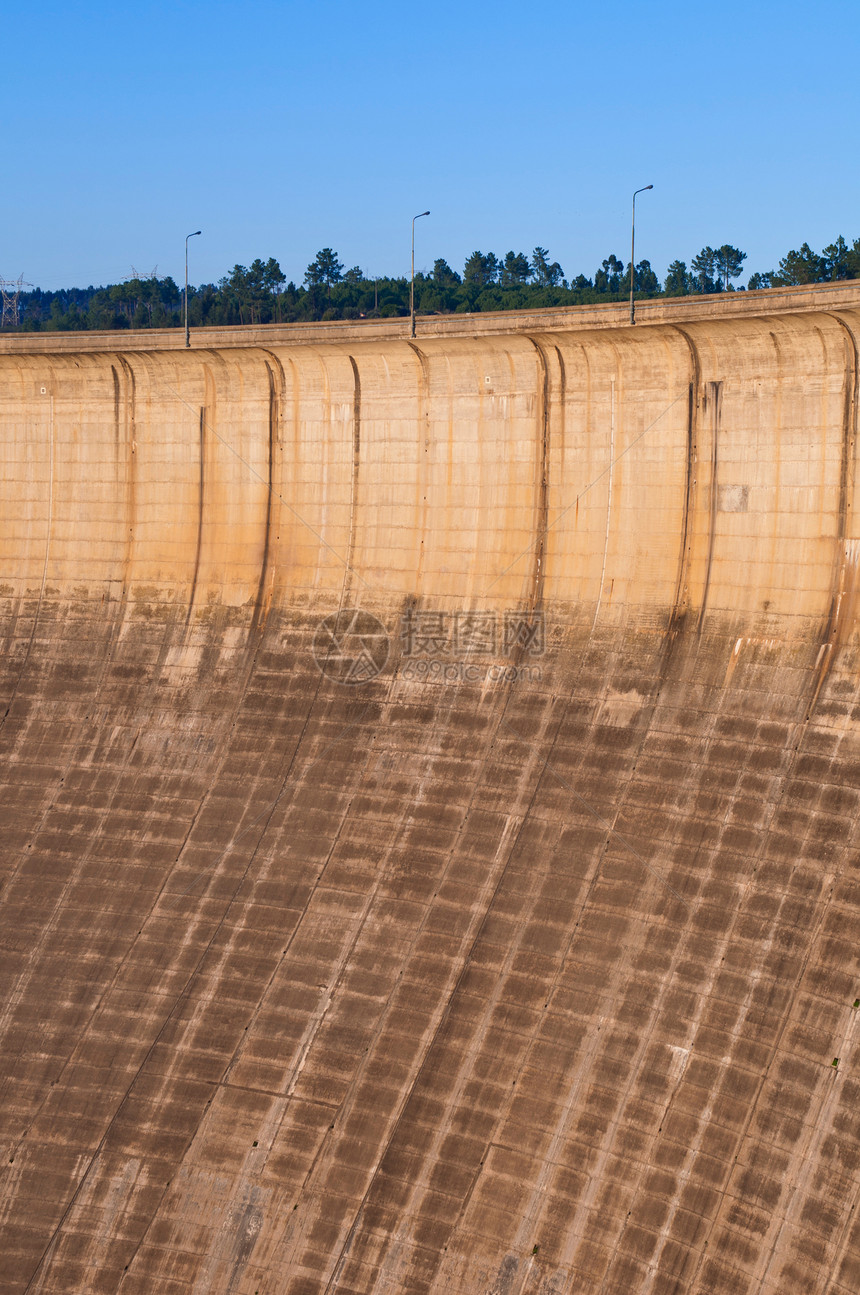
pixel 430 791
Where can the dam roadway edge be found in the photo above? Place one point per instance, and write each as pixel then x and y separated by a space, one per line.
pixel 525 960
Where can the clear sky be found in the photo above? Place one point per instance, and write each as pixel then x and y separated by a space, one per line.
pixel 281 128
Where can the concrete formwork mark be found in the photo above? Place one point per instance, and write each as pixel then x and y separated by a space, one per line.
pixel 89 1165
pixel 386 1262
pixel 503 856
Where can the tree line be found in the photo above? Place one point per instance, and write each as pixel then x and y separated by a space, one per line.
pixel 260 293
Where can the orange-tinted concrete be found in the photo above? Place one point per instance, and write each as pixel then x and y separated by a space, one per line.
pixel 514 950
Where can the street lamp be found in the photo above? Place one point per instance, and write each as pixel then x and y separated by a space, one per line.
pixel 187 236
pixel 632 242
pixel 412 281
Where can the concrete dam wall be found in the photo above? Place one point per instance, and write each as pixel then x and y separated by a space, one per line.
pixel 430 790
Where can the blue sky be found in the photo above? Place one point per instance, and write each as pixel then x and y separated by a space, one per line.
pixel 280 128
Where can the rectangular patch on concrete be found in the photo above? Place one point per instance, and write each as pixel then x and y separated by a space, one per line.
pixel 733 499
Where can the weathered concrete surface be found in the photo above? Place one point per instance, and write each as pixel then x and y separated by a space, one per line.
pixel 517 984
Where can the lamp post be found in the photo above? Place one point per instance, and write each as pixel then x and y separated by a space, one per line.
pixel 412 280
pixel 632 244
pixel 187 236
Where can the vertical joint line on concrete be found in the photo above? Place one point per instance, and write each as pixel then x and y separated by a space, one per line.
pixel 715 392
pixel 542 508
pixel 200 493
pixel 50 504
pixel 353 501
pixel 609 499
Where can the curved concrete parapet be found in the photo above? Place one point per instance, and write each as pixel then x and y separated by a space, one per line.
pixel 431 796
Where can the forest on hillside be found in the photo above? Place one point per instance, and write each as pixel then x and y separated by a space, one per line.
pixel 260 294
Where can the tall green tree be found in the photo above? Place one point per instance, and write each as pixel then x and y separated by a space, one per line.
pixel 273 280
pixel 546 274
pixel 443 275
pixel 644 278
pixel 324 269
pixel 729 262
pixel 803 266
pixel 677 280
pixel 842 261
pixel 610 276
pixel 705 271
pixel 481 269
pixel 250 289
pixel 515 270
